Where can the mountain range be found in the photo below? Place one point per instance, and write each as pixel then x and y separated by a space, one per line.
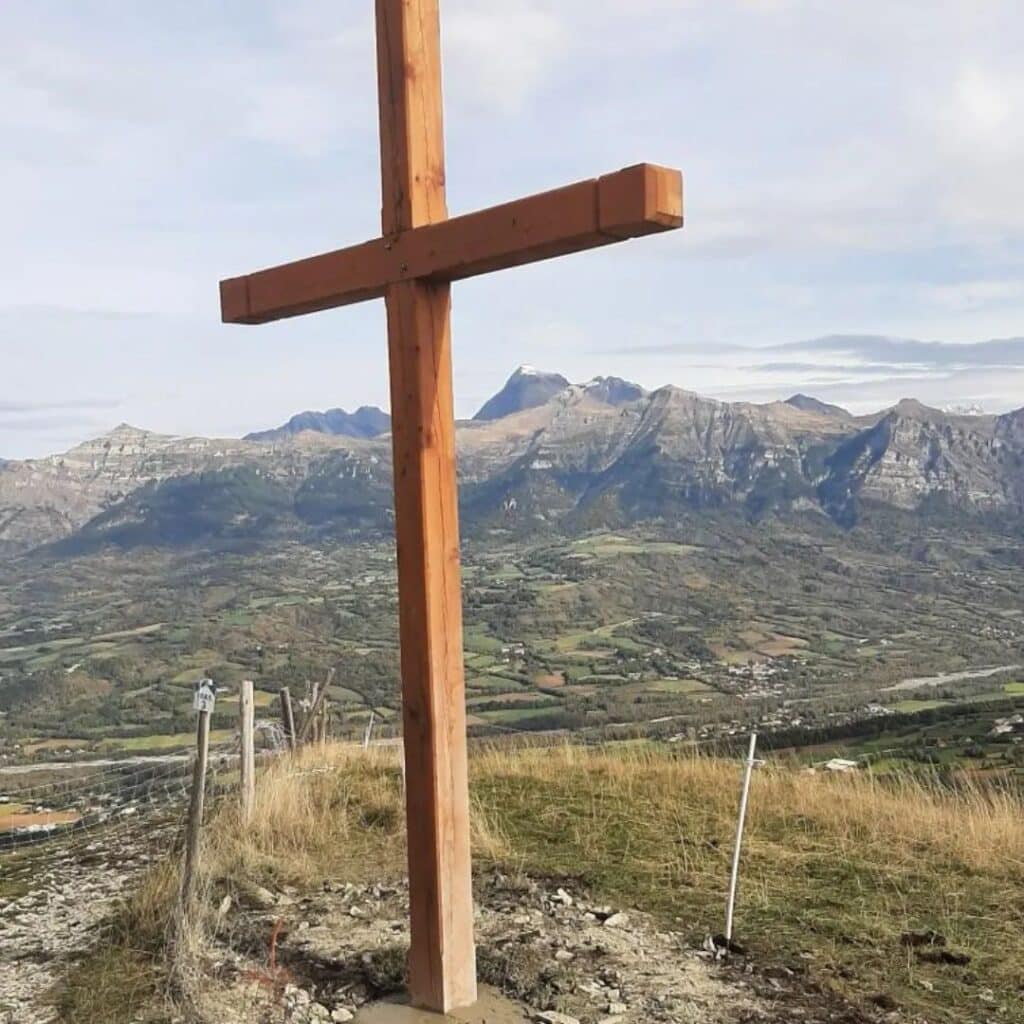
pixel 366 421
pixel 542 453
pixel 527 388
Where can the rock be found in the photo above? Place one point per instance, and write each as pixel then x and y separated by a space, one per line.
pixel 259 898
pixel 341 1013
pixel 618 920
pixel 614 1009
pixel 295 996
pixel 564 955
pixel 553 1017
pixel 561 896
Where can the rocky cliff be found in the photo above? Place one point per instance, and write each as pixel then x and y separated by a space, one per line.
pixel 597 452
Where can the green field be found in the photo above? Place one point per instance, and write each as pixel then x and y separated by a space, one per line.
pixel 698 618
pixel 909 706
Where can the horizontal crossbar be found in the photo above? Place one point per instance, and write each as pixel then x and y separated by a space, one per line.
pixel 639 200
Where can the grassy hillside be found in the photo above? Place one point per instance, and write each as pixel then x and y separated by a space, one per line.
pixel 839 872
pixel 697 625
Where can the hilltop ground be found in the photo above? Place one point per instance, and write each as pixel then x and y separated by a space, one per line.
pixel 599 875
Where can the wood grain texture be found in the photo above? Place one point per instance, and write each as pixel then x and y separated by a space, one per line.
pixel 420 252
pixel 194 825
pixel 442 957
pixel 411 118
pixel 636 201
pixel 640 200
pixel 442 964
pixel 247 736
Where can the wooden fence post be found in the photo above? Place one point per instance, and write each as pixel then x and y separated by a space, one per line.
pixel 246 711
pixel 306 731
pixel 314 716
pixel 180 945
pixel 288 717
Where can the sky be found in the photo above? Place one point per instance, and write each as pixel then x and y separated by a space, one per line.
pixel 854 215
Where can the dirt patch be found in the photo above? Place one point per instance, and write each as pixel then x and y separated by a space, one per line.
pixel 66 890
pixel 548 947
pixel 12 822
pixel 779 646
pixel 550 680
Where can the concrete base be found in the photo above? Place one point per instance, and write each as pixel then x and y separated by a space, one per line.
pixel 491 1008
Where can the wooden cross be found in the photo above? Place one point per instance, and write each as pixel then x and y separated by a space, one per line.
pixel 420 252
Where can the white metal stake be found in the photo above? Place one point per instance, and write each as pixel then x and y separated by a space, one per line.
pixel 734 880
pixel 369 731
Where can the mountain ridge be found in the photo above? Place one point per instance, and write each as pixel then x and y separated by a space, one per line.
pixel 367 421
pixel 527 388
pixel 601 451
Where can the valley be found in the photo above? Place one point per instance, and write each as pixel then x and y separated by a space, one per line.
pixel 691 632
pixel 645 576
pixel 635 562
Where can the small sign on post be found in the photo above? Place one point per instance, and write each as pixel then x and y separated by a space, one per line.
pixel 205 696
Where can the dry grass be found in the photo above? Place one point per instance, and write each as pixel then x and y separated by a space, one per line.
pixel 835 869
pixel 322 814
pixel 125 977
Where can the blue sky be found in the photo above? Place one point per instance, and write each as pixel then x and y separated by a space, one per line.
pixel 851 168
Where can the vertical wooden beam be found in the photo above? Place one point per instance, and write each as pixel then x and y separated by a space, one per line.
pixel 312 724
pixel 442 959
pixel 183 943
pixel 411 120
pixel 308 730
pixel 246 732
pixel 287 717
pixel 194 825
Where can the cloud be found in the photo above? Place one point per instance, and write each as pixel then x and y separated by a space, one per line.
pixel 906 352
pixel 505 52
pixel 50 424
pixel 13 409
pixel 862 372
pixel 971 295
pixel 833 370
pixel 876 353
pixel 849 166
pixel 991 390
